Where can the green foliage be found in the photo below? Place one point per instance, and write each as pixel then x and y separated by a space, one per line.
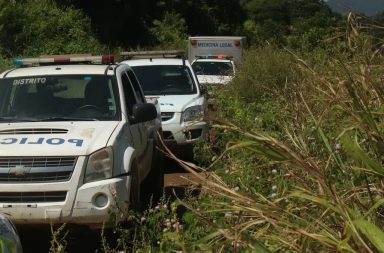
pixel 170 32
pixel 7 245
pixel 43 27
pixel 58 240
pixel 285 21
pixel 263 83
pixel 10 27
pixel 207 17
pixel 4 64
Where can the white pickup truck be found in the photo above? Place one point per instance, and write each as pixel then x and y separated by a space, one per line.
pixel 77 141
pixel 169 77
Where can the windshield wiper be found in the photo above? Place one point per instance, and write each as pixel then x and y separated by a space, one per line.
pixel 67 119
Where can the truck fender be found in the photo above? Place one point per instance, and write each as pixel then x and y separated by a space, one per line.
pixel 128 158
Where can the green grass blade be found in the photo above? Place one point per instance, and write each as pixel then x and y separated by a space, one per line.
pixel 374 234
pixel 358 154
pixel 6 245
pixel 317 200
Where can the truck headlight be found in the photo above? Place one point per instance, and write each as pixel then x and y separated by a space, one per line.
pixel 99 165
pixel 193 113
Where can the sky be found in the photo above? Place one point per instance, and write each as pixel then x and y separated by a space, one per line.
pixel 368 7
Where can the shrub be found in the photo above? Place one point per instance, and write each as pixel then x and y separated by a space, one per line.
pixel 44 27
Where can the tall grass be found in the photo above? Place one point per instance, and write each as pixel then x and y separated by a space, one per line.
pixel 315 183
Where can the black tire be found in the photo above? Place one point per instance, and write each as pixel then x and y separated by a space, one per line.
pixel 135 193
pixel 153 185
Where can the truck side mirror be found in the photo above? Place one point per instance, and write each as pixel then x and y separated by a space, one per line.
pixel 203 89
pixel 143 112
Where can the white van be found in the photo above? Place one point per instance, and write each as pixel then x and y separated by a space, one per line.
pixel 167 76
pixel 215 58
pixel 77 141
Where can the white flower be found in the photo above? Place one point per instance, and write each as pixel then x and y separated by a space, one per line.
pixel 274 171
pixel 274 187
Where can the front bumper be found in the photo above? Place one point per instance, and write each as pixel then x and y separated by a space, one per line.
pixel 85 204
pixel 182 133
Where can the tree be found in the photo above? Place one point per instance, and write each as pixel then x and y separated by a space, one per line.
pixel 170 32
pixel 11 26
pixel 36 27
pixel 275 20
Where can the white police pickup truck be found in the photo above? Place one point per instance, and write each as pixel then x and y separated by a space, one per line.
pixel 77 141
pixel 167 76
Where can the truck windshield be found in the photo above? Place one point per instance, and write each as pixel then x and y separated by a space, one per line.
pixel 165 80
pixel 213 68
pixel 56 98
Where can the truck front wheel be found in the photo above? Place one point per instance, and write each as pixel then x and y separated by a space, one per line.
pixel 135 191
pixel 153 185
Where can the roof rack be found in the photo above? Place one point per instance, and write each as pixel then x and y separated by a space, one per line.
pixel 153 54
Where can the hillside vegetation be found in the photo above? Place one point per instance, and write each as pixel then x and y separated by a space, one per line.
pixel 296 148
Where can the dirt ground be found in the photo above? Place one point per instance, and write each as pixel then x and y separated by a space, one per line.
pixel 176 183
pixel 179 179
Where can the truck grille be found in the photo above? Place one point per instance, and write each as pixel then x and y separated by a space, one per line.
pixel 29 197
pixel 36 169
pixel 35 131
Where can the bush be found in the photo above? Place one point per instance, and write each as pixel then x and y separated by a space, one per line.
pixel 44 27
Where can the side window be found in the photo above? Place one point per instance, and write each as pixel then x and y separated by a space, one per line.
pixel 136 86
pixel 130 98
